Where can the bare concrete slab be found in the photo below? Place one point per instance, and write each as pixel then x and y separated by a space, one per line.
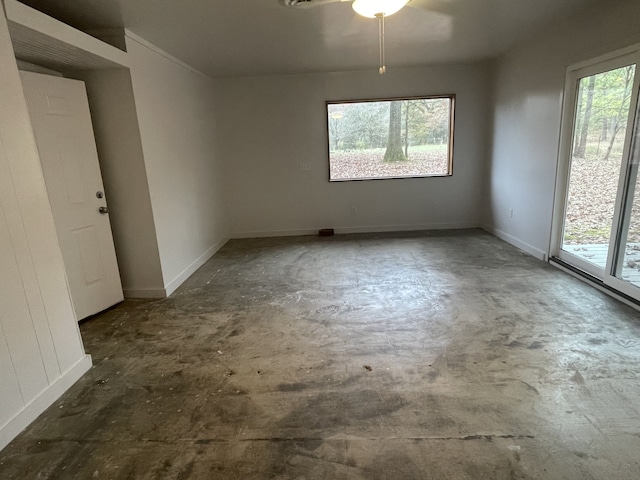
pixel 441 355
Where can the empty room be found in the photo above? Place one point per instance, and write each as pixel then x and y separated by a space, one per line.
pixel 319 239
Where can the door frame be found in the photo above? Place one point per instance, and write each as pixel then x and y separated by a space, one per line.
pixel 575 72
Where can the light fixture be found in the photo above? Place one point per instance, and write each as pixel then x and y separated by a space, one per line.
pixel 379 9
pixel 374 8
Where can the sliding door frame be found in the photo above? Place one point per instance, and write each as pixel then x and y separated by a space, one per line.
pixel 574 73
pixel 626 189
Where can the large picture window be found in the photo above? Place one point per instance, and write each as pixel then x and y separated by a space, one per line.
pixel 394 138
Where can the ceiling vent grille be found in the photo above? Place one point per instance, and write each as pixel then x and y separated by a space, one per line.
pixel 305 3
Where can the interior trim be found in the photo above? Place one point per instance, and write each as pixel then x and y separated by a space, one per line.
pixel 42 401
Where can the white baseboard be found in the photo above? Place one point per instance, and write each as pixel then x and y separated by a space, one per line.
pixel 274 233
pixel 145 293
pixel 407 228
pixel 362 229
pixel 33 409
pixel 187 272
pixel 178 280
pixel 516 242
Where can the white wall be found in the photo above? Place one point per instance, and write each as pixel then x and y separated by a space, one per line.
pixel 529 83
pixel 41 353
pixel 271 124
pixel 115 123
pixel 177 120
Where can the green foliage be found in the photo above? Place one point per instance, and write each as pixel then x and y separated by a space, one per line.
pixel 602 109
pixel 428 121
pixel 358 125
pixel 365 125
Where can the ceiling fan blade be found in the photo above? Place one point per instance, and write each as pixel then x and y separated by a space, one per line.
pixel 303 4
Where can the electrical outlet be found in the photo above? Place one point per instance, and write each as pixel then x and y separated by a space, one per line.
pixel 511 213
pixel 354 209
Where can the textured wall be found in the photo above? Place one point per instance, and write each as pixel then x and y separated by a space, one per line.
pixel 272 124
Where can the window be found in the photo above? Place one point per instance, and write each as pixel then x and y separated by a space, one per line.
pixel 396 138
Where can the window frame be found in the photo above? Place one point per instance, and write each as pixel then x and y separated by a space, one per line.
pixel 450 144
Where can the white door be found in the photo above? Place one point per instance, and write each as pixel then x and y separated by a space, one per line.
pixel 61 122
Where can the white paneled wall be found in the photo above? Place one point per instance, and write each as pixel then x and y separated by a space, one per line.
pixel 41 353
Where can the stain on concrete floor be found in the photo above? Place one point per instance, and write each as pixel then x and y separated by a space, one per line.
pixel 484 363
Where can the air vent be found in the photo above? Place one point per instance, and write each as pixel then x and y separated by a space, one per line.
pixel 297 3
pixel 306 3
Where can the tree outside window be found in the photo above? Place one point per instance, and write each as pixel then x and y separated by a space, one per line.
pixel 394 138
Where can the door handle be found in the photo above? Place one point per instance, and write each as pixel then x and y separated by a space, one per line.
pixel 103 210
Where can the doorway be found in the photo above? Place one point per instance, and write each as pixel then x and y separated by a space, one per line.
pixel 597 217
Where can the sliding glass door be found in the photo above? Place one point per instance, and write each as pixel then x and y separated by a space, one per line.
pixel 597 227
pixel 624 265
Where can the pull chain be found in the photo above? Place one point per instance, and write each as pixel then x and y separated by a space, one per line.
pixel 383 69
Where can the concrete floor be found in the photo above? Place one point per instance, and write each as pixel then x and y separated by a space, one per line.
pixel 445 355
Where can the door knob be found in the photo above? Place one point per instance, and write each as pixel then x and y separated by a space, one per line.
pixel 103 210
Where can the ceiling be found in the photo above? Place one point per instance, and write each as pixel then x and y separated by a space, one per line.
pixel 224 38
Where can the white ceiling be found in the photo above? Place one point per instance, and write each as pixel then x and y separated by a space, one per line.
pixel 225 38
